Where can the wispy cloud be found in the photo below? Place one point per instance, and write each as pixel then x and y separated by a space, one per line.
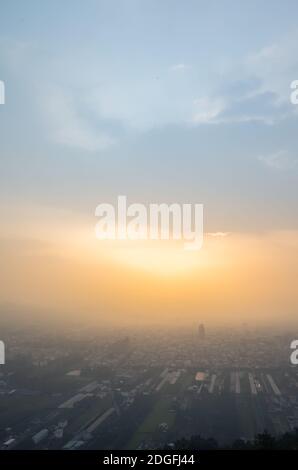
pixel 136 100
pixel 219 234
pixel 207 109
pixel 261 92
pixel 179 67
pixel 275 66
pixel 69 128
pixel 280 160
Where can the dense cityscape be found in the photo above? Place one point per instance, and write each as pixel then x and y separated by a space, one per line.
pixel 144 389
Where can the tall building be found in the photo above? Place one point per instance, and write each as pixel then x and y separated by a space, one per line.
pixel 201 331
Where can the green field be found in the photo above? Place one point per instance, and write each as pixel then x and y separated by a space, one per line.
pixel 160 413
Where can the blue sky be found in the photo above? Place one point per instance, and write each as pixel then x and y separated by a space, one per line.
pixel 164 101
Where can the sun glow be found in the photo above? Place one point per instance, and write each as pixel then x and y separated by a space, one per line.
pixel 160 258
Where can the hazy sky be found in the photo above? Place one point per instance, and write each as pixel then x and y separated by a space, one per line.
pixel 163 101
